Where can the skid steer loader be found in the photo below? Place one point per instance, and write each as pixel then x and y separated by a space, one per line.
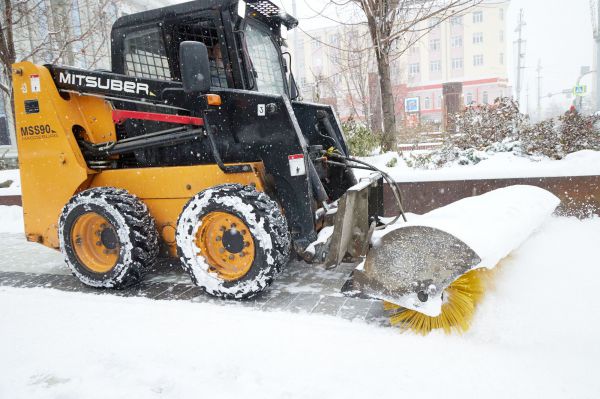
pixel 195 147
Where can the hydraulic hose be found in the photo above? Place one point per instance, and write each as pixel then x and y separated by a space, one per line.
pixel 323 118
pixel 366 166
pixel 317 186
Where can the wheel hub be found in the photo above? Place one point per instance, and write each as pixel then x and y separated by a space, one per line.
pixel 108 237
pixel 225 242
pixel 233 241
pixel 95 242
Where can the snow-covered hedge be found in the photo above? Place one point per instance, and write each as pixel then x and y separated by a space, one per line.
pixel 487 129
pixel 569 133
pixel 480 126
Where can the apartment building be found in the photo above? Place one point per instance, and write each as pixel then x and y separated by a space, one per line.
pixel 469 48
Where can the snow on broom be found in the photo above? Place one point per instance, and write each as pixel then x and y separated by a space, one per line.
pixel 431 271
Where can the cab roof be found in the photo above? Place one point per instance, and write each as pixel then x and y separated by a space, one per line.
pixel 265 8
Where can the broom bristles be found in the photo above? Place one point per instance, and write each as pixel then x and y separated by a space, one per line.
pixel 461 299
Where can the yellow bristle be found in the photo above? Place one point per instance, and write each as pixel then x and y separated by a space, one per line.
pixel 461 299
pixel 390 306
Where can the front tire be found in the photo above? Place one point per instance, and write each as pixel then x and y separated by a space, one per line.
pixel 232 239
pixel 107 237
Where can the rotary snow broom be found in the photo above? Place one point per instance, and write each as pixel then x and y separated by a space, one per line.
pixel 432 271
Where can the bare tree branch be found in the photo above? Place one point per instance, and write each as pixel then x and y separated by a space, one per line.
pixel 394 26
pixel 69 32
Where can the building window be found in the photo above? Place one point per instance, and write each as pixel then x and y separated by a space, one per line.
pixel 501 35
pixel 434 44
pixel 316 43
pixel 427 103
pixel 477 17
pixel 501 59
pixel 477 38
pixel 433 23
pixel 485 97
pixel 457 63
pixel 478 60
pixel 396 73
pixel 435 66
pixel 414 49
pixel 455 21
pixel 414 69
pixel 468 99
pixel 501 10
pixel 334 40
pixel 456 41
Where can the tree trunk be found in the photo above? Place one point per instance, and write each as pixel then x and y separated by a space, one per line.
pixel 379 35
pixel 11 121
pixel 388 107
pixel 9 113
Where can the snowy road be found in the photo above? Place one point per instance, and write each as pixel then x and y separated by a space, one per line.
pixel 300 287
pixel 535 336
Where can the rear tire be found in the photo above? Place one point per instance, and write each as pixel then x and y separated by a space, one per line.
pixel 107 237
pixel 232 239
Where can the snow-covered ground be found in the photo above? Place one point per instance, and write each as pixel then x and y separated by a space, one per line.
pixel 15 187
pixel 497 166
pixel 11 219
pixel 535 336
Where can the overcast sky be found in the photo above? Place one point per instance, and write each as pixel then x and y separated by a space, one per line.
pixel 558 32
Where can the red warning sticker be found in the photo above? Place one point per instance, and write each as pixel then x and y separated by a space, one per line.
pixel 34 82
pixel 297 165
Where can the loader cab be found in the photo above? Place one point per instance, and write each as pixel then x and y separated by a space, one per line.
pixel 243 41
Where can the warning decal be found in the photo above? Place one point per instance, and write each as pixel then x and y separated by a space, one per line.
pixel 297 166
pixel 34 81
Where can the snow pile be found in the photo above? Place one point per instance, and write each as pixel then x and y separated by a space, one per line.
pixel 452 156
pixel 535 336
pixel 549 286
pixel 11 219
pixel 496 166
pixel 13 176
pixel 324 235
pixel 495 223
